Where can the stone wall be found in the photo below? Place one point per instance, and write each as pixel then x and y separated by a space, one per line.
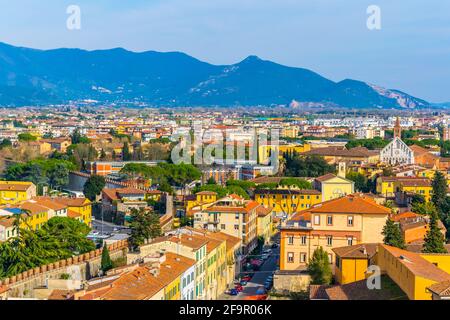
pixel 82 267
pixel 291 281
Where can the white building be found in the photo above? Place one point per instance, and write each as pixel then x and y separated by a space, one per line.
pixel 188 284
pixel 397 153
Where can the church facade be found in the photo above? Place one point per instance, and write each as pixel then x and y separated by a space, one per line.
pixel 397 152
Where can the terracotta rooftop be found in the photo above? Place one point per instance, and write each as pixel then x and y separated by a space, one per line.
pixel 363 250
pixel 11 186
pixel 350 204
pixel 141 284
pixel 442 289
pixel 418 265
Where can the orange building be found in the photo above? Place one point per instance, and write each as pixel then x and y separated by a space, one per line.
pixel 336 223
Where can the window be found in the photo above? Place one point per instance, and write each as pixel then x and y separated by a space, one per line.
pixel 302 257
pixel 329 220
pixel 350 221
pixel 316 219
pixel 291 240
pixel 338 262
pixel 236 227
pixel 290 257
pixel 236 215
pixel 350 241
pixel 222 226
pixel 330 258
pixel 329 240
pixel 303 240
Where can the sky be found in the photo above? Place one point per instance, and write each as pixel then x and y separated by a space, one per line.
pixel 411 51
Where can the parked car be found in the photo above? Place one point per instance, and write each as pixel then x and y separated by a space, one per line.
pixel 260 290
pixel 267 251
pixel 246 278
pixel 243 283
pixel 265 256
pixel 275 245
pixel 239 288
pixel 268 285
pixel 233 292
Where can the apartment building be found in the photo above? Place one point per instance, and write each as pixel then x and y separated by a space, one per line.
pixel 336 223
pixel 232 215
pixel 12 192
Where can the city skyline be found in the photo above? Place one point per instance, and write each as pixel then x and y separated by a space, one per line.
pixel 332 39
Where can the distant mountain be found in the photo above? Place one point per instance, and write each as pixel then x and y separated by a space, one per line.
pixel 36 77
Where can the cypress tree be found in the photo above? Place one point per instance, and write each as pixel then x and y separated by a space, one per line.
pixel 439 190
pixel 393 235
pixel 434 239
pixel 106 263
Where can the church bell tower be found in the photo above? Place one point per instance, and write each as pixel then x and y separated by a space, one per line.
pixel 397 129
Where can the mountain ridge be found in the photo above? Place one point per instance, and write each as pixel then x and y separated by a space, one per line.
pixel 36 77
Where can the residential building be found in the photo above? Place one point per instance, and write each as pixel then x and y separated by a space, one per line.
pixel 234 216
pixel 265 223
pixel 332 187
pixel 285 202
pixel 13 192
pixel 349 220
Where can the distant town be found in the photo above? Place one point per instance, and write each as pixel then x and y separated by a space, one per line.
pixel 290 203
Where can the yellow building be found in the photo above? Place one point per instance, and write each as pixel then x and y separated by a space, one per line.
pixel 332 224
pixel 388 186
pixel 416 274
pixel 216 268
pixel 287 201
pixel 186 245
pixel 172 290
pixel 35 217
pixel 352 262
pixel 225 260
pixel 13 192
pixel 201 200
pixel 265 223
pixel 82 206
pixel 332 186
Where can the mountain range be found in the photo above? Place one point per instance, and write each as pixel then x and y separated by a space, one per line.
pixel 38 77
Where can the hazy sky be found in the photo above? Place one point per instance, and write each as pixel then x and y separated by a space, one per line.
pixel 410 53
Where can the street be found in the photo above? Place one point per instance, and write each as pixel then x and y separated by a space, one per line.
pixel 259 277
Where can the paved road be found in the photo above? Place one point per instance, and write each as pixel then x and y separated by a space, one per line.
pixel 108 228
pixel 268 268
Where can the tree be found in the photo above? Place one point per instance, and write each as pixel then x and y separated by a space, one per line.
pixel 434 239
pixel 126 155
pixel 102 155
pixel 77 138
pixel 440 188
pixel 306 166
pixel 393 235
pixel 69 233
pixel 294 182
pixel 106 263
pixel 211 181
pixel 144 225
pixel 93 187
pixel 388 172
pixel 165 187
pixel 58 176
pixel 319 267
pixel 26 137
pixel 5 143
pixel 360 180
